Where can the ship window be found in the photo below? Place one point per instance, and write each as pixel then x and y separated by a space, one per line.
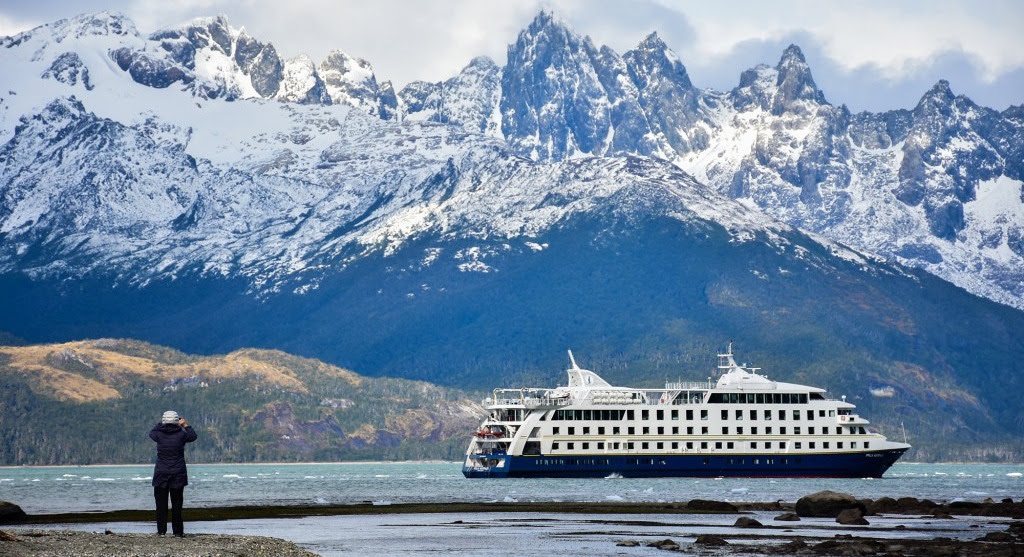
pixel 782 414
pixel 787 398
pixel 660 445
pixel 718 444
pixel 867 444
pixel 704 430
pixel 629 446
pixel 768 430
pixel 578 415
pixel 782 444
pixel 824 444
pixel 675 444
pixel 675 414
pixel 675 430
pixel 753 414
pixel 734 398
pixel 796 431
pixel 689 444
pixel 777 398
pixel 689 414
pixel 661 414
pixel 767 414
pixel 739 431
pixel 689 430
pixel 739 414
pixel 796 415
pixel 570 446
pixel 839 444
pixel 803 398
pixel 646 430
pixel 600 446
pixel 554 431
pixel 753 445
pixel 759 398
pixel 725 431
pixel 797 445
pixel 703 414
pixel 853 444
pixel 586 431
pixel 861 431
pixel 728 445
pixel 782 430
pixel 767 444
pixel 810 444
pixel 572 431
pixel 703 444
pixel 615 430
pixel 810 431
pixel 753 431
pixel 630 430
pixel 600 430
pixel 554 446
pixel 661 431
pixel 630 415
pixel 725 414
pixel 831 413
pixel 586 446
pixel 645 414
pixel 824 430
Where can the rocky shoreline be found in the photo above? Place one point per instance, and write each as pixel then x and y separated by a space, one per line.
pixel 778 534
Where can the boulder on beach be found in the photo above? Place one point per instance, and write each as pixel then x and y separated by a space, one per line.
pixel 666 544
pixel 711 506
pixel 747 522
pixel 9 512
pixel 827 504
pixel 851 517
pixel 709 539
pixel 788 517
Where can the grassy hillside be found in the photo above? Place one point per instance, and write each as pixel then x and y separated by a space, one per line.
pixel 94 402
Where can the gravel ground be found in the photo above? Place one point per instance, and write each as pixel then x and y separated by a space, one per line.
pixel 64 543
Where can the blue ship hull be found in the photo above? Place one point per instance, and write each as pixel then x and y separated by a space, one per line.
pixel 836 465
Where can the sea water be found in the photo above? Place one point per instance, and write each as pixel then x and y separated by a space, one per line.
pixel 40 490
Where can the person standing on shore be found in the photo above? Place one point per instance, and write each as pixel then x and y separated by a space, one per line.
pixel 170 476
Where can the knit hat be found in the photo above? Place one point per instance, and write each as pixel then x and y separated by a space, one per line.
pixel 170 417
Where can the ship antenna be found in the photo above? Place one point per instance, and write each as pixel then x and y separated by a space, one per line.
pixel 572 361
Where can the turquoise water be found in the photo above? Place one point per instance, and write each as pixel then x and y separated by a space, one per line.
pixel 103 488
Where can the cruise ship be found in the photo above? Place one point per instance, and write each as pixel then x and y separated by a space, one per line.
pixel 742 425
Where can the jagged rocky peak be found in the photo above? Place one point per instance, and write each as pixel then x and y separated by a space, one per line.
pixel 101 24
pixel 301 83
pixel 350 81
pixel 653 59
pixel 553 103
pixel 794 81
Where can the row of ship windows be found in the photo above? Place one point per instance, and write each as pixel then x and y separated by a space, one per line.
pixel 740 430
pixel 738 414
pixel 689 445
pixel 649 461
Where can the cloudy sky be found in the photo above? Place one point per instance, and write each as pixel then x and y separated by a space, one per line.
pixel 867 54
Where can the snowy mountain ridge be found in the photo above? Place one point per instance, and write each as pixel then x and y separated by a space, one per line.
pixel 262 184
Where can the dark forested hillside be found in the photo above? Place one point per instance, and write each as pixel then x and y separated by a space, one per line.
pixel 93 402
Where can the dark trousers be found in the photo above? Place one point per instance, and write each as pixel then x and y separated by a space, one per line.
pixel 177 495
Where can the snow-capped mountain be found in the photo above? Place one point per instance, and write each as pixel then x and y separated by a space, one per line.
pixel 189 187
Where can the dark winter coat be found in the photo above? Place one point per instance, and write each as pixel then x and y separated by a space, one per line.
pixel 170 470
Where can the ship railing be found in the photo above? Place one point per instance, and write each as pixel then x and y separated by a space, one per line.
pixel 689 386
